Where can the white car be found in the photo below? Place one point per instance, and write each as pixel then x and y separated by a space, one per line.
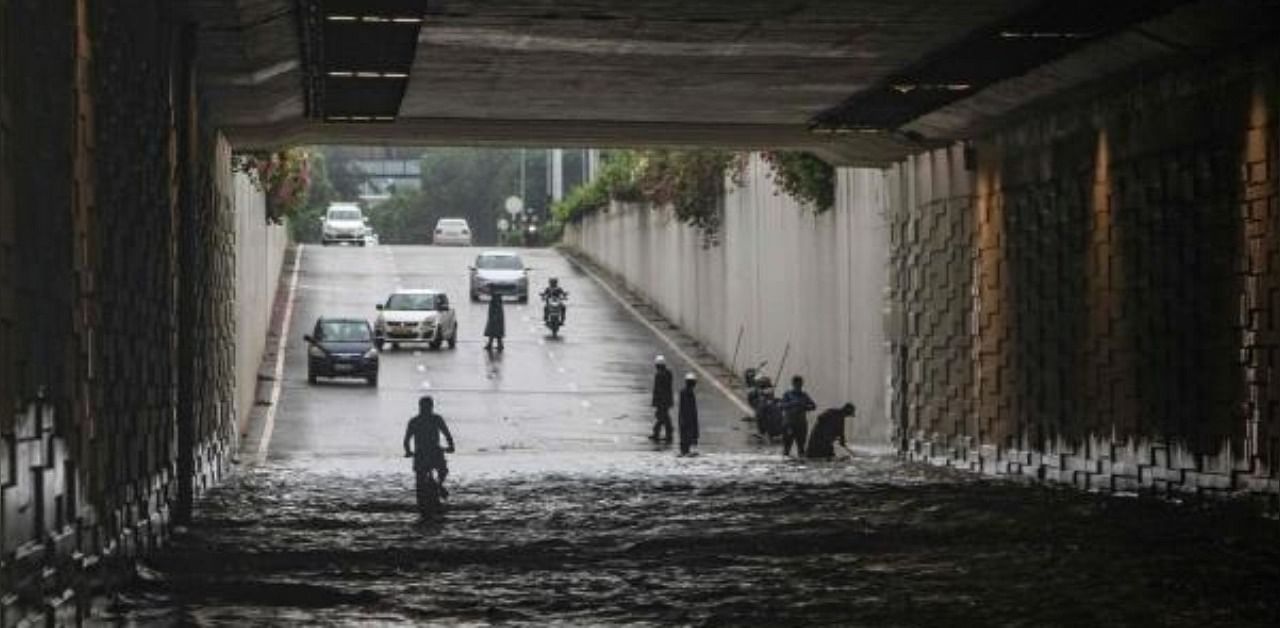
pixel 415 316
pixel 343 222
pixel 452 231
pixel 500 272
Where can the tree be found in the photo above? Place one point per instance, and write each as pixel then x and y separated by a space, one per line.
pixel 305 223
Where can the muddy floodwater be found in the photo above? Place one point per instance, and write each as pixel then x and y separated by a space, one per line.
pixel 645 538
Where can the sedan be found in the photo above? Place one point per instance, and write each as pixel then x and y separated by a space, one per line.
pixel 500 272
pixel 416 316
pixel 342 347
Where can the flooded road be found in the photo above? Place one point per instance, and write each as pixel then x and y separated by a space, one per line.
pixel 645 538
pixel 563 513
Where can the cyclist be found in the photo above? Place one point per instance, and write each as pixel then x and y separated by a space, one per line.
pixel 425 430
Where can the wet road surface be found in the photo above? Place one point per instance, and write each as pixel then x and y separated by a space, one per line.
pixel 562 512
pixel 586 389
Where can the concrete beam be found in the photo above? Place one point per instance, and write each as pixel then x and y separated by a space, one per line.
pixel 843 150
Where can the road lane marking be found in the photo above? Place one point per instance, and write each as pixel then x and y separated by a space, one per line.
pixel 278 372
pixel 693 364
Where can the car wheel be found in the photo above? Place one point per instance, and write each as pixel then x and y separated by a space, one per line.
pixel 524 298
pixel 453 338
pixel 395 345
pixel 311 377
pixel 435 344
pixel 474 297
pixel 373 380
pixel 378 343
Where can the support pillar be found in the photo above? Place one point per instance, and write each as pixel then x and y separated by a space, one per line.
pixel 187 128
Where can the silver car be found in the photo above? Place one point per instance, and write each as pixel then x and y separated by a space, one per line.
pixel 452 231
pixel 500 272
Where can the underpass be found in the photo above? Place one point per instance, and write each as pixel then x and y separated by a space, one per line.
pixel 563 512
pixel 1048 280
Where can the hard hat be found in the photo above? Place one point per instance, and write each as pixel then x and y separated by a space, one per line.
pixel 690 377
pixel 659 359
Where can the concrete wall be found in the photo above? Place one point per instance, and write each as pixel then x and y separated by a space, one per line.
pixel 260 251
pixel 782 277
pixel 1093 296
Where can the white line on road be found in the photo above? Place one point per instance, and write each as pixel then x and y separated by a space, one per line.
pixel 278 374
pixel 693 364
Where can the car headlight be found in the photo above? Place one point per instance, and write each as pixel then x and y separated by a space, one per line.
pixel 316 352
pixel 371 354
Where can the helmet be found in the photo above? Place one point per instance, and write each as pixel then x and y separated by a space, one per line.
pixel 659 359
pixel 690 377
pixel 554 282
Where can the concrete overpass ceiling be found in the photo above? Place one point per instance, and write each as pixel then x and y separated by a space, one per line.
pixel 859 81
pixel 1186 32
pixel 682 62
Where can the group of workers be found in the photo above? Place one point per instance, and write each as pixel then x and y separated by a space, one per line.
pixel 796 406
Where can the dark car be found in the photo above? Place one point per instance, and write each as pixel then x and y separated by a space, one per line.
pixel 342 347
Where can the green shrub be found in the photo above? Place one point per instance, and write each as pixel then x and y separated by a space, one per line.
pixel 804 177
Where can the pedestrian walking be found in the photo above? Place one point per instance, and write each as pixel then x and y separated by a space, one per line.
pixel 688 417
pixel 796 405
pixel 496 327
pixel 828 429
pixel 663 399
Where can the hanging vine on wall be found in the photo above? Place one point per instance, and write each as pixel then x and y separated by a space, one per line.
pixel 691 183
pixel 283 176
pixel 804 177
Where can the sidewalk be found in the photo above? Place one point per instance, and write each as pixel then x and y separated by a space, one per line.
pixel 254 425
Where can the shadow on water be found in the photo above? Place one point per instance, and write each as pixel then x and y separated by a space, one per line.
pixel 648 538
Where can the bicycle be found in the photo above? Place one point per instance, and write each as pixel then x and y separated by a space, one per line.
pixel 427 491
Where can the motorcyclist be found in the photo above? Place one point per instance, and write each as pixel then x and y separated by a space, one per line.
pixel 762 399
pixel 553 290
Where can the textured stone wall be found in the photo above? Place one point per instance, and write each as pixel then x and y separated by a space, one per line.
pixel 97 188
pixel 1094 297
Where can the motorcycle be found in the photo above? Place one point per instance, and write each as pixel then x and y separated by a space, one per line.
pixel 553 312
pixel 767 407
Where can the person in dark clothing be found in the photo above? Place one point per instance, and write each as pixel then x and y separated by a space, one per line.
pixel 663 399
pixel 827 430
pixel 424 432
pixel 688 417
pixel 554 291
pixel 796 404
pixel 496 327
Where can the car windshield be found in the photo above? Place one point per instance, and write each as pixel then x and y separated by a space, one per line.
pixel 344 331
pixel 499 262
pixel 453 223
pixel 344 214
pixel 411 302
